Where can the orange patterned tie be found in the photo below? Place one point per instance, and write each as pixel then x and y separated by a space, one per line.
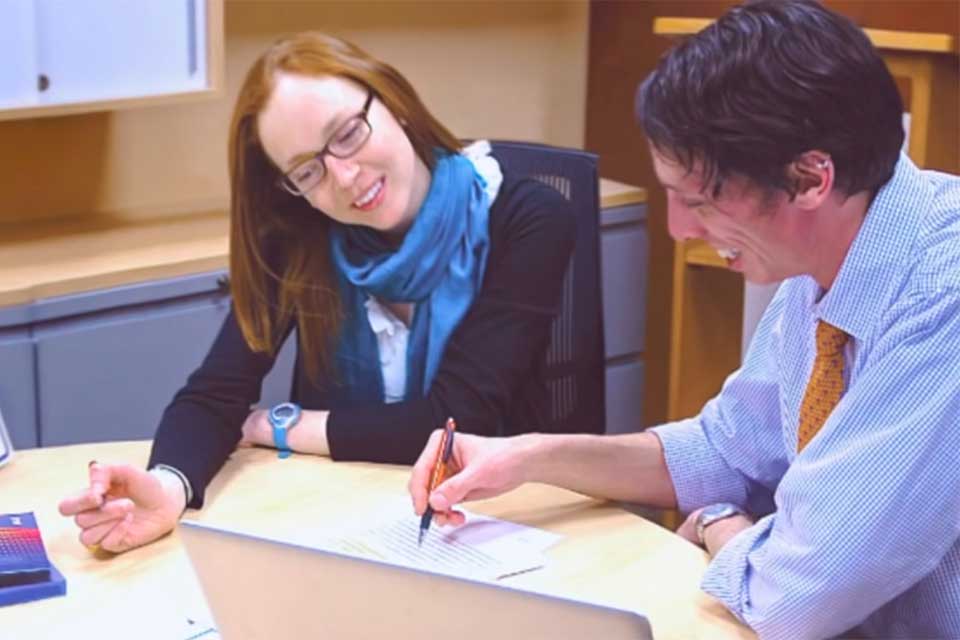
pixel 826 383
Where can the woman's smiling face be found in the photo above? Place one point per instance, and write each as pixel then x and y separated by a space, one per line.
pixel 380 186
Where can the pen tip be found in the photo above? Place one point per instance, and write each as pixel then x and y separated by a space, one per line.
pixel 420 538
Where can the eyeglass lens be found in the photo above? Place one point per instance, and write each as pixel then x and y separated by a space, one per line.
pixel 346 141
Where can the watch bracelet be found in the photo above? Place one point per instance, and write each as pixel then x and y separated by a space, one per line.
pixel 700 526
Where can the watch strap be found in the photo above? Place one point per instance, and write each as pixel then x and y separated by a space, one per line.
pixel 280 442
pixel 282 418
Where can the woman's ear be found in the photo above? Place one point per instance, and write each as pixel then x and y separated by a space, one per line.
pixel 812 176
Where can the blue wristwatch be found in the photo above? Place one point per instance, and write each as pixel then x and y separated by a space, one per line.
pixel 283 417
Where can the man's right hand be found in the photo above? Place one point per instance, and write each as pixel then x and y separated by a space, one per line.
pixel 479 468
pixel 125 507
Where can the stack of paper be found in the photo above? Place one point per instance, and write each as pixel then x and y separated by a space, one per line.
pixel 484 548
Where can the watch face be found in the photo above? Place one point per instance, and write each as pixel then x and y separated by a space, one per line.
pixel 283 412
pixel 719 510
pixel 712 513
pixel 284 416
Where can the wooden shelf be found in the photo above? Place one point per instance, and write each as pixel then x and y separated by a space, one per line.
pixel 53 258
pixel 45 111
pixel 618 194
pixel 916 41
pixel 60 257
pixel 701 254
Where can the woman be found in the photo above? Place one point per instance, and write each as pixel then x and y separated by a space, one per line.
pixel 421 281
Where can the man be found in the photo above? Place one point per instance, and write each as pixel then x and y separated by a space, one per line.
pixel 822 479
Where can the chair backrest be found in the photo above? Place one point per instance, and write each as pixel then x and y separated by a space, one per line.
pixel 575 358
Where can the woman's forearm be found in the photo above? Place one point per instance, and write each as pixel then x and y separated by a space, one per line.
pixel 309 435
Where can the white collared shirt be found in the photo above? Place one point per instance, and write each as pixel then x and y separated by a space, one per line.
pixel 392 338
pixel 392 334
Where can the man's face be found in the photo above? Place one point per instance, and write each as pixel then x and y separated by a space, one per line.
pixel 758 234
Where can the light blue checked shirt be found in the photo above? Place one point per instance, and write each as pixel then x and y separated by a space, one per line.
pixel 862 529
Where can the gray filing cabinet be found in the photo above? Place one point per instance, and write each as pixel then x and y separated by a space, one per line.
pixel 102 365
pixel 17 386
pixel 624 250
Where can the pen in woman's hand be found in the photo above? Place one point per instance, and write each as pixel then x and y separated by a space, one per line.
pixel 439 471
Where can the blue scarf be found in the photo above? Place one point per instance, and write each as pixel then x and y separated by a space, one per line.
pixel 439 267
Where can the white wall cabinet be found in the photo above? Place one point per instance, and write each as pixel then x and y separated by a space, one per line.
pixel 18 74
pixel 65 56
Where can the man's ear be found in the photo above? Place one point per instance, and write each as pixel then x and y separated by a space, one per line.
pixel 812 176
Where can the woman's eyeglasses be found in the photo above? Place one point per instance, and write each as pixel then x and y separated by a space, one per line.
pixel 347 140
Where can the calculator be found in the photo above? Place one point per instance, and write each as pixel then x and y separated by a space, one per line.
pixel 23 560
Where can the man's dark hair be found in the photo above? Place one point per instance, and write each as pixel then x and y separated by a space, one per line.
pixel 767 82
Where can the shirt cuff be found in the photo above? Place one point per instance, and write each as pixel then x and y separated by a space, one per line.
pixel 726 577
pixel 187 489
pixel 699 474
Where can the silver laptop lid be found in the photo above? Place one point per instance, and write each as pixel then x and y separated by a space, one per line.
pixel 266 589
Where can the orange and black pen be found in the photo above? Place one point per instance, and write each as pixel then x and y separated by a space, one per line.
pixel 439 471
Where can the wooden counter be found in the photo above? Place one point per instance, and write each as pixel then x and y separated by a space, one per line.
pixel 618 194
pixel 55 258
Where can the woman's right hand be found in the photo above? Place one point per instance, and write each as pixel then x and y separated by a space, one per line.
pixel 125 507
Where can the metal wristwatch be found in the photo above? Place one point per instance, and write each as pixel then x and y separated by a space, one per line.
pixel 283 417
pixel 713 513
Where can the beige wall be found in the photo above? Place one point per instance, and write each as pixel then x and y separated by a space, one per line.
pixel 505 69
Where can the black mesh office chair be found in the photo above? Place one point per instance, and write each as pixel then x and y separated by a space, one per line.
pixel 575 359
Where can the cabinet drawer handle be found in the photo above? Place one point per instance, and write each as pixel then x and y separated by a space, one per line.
pixel 43 82
pixel 223 284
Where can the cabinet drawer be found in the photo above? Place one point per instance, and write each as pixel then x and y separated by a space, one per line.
pixel 624 396
pixel 109 376
pixel 624 269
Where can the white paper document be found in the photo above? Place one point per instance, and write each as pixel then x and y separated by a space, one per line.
pixel 484 548
pixel 198 628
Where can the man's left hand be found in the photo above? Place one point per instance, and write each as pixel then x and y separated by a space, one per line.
pixel 715 535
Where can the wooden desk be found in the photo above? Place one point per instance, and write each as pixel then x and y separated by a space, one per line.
pixel 607 554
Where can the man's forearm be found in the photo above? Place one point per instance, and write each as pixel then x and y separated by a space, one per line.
pixel 628 467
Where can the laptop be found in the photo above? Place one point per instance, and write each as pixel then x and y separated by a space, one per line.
pixel 259 588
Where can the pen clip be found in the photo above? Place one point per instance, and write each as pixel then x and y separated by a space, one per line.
pixel 448 445
pixel 443 454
